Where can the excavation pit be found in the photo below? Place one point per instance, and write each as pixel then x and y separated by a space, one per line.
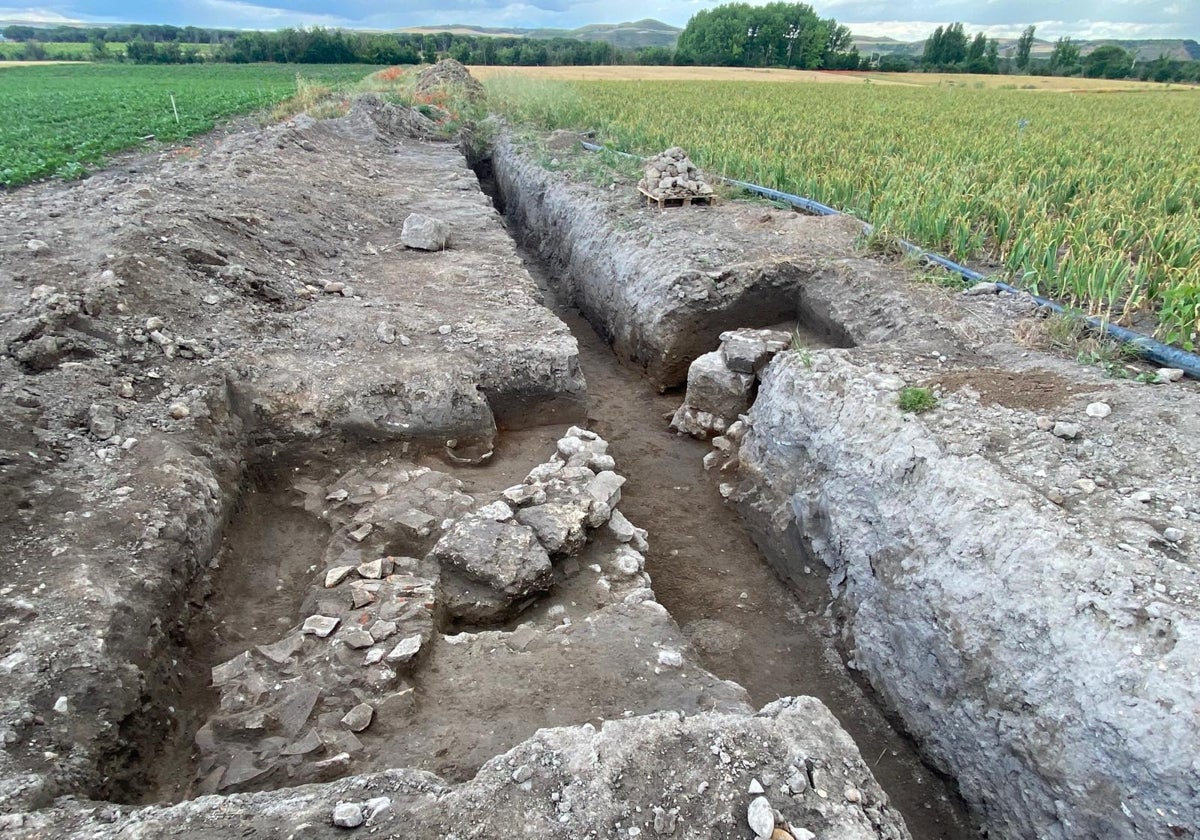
pixel 137 669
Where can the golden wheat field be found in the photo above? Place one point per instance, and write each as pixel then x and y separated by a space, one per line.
pixel 1087 197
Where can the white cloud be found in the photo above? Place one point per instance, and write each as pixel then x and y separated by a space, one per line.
pixel 241 15
pixel 907 20
pixel 33 15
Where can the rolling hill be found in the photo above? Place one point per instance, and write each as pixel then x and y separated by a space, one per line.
pixel 1145 50
pixel 641 33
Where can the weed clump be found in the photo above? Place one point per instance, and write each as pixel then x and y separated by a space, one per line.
pixel 916 400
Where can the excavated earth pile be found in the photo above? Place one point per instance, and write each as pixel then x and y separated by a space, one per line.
pixel 1014 570
pixel 273 530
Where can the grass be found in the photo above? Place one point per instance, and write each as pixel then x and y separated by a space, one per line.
pixel 1094 202
pixel 627 73
pixel 916 400
pixel 1068 334
pixel 62 119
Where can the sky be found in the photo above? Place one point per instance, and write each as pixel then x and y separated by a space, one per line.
pixel 906 20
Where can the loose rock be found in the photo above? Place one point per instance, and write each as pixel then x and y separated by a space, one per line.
pixel 761 817
pixel 1066 431
pixel 320 625
pixel 425 233
pixel 348 815
pixel 359 718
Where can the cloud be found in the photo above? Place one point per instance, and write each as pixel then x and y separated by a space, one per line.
pixel 32 15
pixel 1006 18
pixel 901 19
pixel 236 14
pixel 1087 30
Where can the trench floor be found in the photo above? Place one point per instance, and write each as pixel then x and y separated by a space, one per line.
pixel 746 623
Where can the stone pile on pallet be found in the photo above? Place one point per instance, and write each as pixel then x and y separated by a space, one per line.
pixel 672 177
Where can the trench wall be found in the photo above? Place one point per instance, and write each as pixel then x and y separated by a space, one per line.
pixel 1017 651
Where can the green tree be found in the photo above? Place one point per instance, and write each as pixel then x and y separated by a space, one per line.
pixel 1108 62
pixel 977 49
pixel 776 34
pixel 932 56
pixel 1065 58
pixel 33 51
pixel 890 63
pixel 947 47
pixel 1024 47
pixel 992 57
pixel 19 33
pixel 99 46
pixel 954 45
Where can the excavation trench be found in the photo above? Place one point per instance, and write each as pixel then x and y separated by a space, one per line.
pixel 234 569
pixel 773 637
pixel 467 702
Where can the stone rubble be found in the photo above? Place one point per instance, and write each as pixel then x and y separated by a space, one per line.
pixel 720 384
pixel 290 708
pixel 672 174
pixel 660 775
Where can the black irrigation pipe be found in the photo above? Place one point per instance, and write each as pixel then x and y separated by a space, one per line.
pixel 1148 348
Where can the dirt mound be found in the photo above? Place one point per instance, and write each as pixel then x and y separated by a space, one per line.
pixel 450 75
pixel 371 113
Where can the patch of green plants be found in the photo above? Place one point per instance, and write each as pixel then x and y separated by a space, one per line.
pixel 915 400
pixel 59 120
pixel 1089 208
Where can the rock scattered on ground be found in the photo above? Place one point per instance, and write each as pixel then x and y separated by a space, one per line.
pixel 661 775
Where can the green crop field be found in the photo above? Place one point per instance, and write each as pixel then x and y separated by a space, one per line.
pixel 57 50
pixel 1093 199
pixel 75 51
pixel 59 119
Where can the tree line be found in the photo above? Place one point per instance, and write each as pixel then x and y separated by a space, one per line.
pixel 173 45
pixel 774 35
pixel 732 35
pixel 950 50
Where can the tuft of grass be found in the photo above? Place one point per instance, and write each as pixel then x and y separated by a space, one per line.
pixel 309 95
pixel 916 400
pixel 1069 334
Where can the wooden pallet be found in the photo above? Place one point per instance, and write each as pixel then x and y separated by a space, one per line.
pixel 682 201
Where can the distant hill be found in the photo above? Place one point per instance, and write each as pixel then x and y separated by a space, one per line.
pixel 1145 50
pixel 1184 50
pixel 640 33
pixel 466 29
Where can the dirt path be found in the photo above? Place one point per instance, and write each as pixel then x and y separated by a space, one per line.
pixel 746 624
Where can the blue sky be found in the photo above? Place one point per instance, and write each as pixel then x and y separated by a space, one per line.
pixel 905 19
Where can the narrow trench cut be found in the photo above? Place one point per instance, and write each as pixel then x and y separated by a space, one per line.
pixel 747 625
